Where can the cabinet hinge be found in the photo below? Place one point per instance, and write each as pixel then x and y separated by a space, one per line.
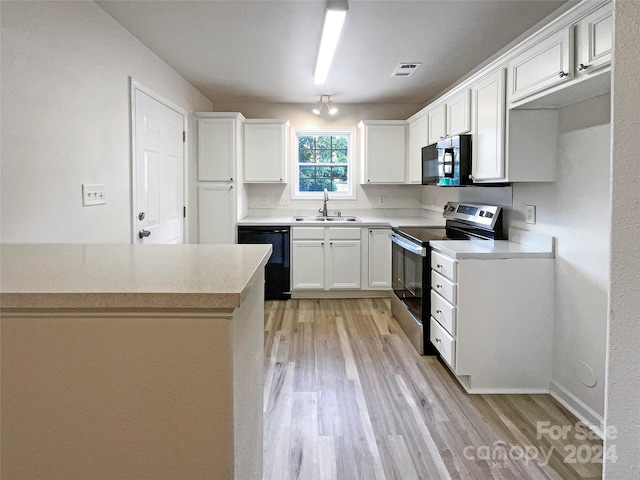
pixel 184 212
pixel 184 136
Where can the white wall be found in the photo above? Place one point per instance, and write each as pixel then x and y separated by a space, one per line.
pixel 575 210
pixel 66 119
pixel 623 364
pixel 278 197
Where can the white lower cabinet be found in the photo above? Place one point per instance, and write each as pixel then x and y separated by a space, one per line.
pixel 343 261
pixel 326 258
pixel 216 213
pixel 379 258
pixel 492 321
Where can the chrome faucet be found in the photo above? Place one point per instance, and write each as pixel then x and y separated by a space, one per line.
pixel 323 210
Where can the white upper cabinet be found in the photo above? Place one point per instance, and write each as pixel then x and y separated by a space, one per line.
pixel 418 138
pixel 437 123
pixel 488 139
pixel 265 149
pixel 216 149
pixel 458 114
pixel 383 151
pixel 545 64
pixel 595 37
pixel 453 117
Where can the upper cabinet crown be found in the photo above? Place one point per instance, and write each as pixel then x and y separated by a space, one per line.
pixel 553 60
pixel 265 151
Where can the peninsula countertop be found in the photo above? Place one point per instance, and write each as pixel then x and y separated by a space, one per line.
pixel 127 276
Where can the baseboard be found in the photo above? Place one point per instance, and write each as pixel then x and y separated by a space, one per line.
pixel 340 293
pixel 576 406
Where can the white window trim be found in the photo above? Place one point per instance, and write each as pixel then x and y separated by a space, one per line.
pixel 351 163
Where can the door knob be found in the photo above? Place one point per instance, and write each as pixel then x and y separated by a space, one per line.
pixel 144 233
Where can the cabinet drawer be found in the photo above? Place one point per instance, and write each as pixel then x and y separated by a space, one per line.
pixel 444 286
pixel 444 343
pixel 307 233
pixel 443 312
pixel 346 233
pixel 445 266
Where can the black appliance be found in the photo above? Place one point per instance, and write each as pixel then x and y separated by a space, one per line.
pixel 447 163
pixel 411 263
pixel 277 271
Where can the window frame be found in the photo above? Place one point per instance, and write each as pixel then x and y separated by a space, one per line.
pixel 296 194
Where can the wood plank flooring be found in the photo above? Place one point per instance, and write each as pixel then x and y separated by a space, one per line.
pixel 347 397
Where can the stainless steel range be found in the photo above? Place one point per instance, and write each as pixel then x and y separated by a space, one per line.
pixel 411 263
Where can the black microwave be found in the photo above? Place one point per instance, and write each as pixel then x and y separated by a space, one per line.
pixel 447 163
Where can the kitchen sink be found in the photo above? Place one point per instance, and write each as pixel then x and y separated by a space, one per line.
pixel 326 219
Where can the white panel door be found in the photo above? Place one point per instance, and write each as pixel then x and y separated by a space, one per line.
pixel 488 128
pixel 437 125
pixel 159 171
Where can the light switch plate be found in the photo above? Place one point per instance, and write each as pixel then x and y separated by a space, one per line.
pixel 93 194
pixel 530 214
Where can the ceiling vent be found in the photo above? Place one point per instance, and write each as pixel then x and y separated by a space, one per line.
pixel 405 69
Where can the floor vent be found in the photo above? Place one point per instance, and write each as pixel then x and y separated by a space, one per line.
pixel 405 69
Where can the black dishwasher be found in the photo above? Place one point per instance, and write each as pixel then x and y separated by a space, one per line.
pixel 277 271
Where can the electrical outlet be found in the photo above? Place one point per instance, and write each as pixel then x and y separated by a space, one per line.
pixel 530 214
pixel 283 200
pixel 93 194
pixel 382 200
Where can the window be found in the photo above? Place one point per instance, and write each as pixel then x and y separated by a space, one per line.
pixel 322 160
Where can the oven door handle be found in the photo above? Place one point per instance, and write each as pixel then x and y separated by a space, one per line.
pixel 407 245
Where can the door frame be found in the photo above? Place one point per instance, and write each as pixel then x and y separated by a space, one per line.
pixel 134 86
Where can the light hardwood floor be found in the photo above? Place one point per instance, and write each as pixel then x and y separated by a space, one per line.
pixel 347 397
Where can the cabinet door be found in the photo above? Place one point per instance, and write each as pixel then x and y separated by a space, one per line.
pixel 488 162
pixel 216 214
pixel 216 149
pixel 264 152
pixel 546 64
pixel 384 153
pixel 595 34
pixel 458 114
pixel 379 258
pixel 418 138
pixel 437 125
pixel 343 264
pixel 307 264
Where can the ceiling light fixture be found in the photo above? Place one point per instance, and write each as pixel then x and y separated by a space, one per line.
pixel 333 21
pixel 325 100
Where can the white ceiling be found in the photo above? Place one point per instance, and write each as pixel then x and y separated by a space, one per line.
pixel 264 51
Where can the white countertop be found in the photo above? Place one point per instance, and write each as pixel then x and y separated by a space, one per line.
pixel 127 276
pixel 365 221
pixel 489 249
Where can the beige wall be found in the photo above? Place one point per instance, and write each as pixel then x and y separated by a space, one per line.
pixel 66 119
pixel 623 365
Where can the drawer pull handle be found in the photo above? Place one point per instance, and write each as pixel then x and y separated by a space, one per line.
pixel 563 74
pixel 438 340
pixel 582 66
pixel 439 266
pixel 438 311
pixel 438 286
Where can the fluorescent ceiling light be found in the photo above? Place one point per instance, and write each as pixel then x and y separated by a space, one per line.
pixel 333 21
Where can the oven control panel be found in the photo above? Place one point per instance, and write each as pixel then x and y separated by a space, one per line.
pixel 485 215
